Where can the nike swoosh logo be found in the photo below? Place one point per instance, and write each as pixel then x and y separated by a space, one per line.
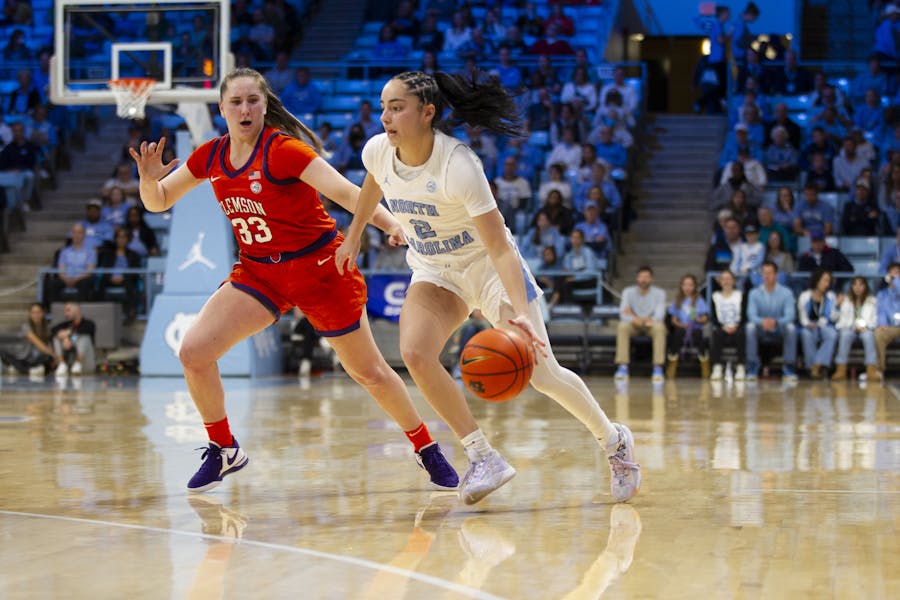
pixel 212 179
pixel 323 261
pixel 469 361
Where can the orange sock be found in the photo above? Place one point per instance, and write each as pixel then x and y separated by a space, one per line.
pixel 419 437
pixel 219 432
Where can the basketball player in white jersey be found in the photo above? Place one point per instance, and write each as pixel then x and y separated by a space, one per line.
pixel 463 257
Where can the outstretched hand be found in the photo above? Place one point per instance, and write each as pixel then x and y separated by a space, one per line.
pixel 346 254
pixel 149 162
pixel 524 324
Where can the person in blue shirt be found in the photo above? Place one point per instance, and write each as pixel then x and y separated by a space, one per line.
pixel 770 318
pixel 301 96
pixel 97 232
pixel 742 37
pixel 885 35
pixel 687 315
pixel 811 214
pixel 76 268
pixel 891 255
pixel 887 325
pixel 818 310
pixel 874 78
pixel 594 230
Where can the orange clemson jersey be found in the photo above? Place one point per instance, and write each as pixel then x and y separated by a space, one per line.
pixel 270 209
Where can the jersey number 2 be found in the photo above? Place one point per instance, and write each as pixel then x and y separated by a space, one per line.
pixel 423 229
pixel 262 234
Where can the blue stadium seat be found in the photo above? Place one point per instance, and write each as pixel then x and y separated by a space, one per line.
pixel 885 243
pixel 340 103
pixel 859 248
pixel 866 268
pixel 353 86
pixel 540 139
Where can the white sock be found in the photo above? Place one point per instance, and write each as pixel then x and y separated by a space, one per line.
pixel 476 446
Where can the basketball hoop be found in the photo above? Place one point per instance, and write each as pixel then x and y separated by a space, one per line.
pixel 131 95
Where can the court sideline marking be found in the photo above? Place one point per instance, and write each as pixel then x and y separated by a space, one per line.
pixel 360 562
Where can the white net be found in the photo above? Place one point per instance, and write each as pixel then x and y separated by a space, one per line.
pixel 131 96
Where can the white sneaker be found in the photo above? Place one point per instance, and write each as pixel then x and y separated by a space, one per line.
pixel 740 373
pixel 305 367
pixel 625 473
pixel 62 370
pixel 37 371
pixel 485 476
pixel 716 374
pixel 76 368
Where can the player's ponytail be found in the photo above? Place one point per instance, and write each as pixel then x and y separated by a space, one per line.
pixel 485 104
pixel 277 116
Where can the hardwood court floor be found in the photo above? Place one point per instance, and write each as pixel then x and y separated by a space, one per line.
pixel 755 492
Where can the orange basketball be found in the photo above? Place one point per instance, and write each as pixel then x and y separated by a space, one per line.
pixel 496 364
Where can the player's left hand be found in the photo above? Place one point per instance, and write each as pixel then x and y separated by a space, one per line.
pixel 524 324
pixel 346 255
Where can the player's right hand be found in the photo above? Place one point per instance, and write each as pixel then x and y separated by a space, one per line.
pixel 346 254
pixel 149 162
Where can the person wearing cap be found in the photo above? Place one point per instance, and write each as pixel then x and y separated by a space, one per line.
pixel 770 318
pixel 848 165
pixel 596 233
pixel 821 255
pixel 748 257
pixel 97 232
pixel 811 214
pixel 782 160
pixel 887 324
pixel 885 35
pixel 740 138
pixel 817 309
pixel 861 217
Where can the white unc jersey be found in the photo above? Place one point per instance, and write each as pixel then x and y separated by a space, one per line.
pixel 437 205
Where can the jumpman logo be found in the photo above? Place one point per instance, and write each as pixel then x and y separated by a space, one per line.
pixel 195 255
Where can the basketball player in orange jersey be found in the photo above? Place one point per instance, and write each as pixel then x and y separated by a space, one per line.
pixel 463 257
pixel 266 181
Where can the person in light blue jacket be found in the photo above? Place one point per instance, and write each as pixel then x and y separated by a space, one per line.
pixel 770 317
pixel 817 309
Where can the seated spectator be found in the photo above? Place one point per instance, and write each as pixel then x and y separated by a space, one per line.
pixel 887 325
pixel 551 284
pixel 782 160
pixel 97 232
pixel 791 79
pixel 821 144
pixel 869 116
pixel 34 354
pixel 756 131
pixel 541 235
pixel 116 210
pixel 457 34
pixel 588 158
pixel 539 115
pixel 16 49
pixel 864 147
pixel 560 215
pixel 891 254
pixel 430 38
pixel 641 312
pixel 567 151
pixel 886 34
pixel 21 156
pixel 687 315
pixel 782 118
pixel 614 114
pixel 492 25
pixel 551 44
pixel 594 231
pixel 405 21
pixel 739 208
pixel 607 147
pixel 508 73
pixel 73 342
pixel 820 255
pixel 141 238
pixel 349 154
pixel 580 92
pixel 371 125
pixel 739 140
pixel 872 79
pixel 556 181
pixel 301 96
pixel 118 256
pixel 477 47
pixel 783 214
pixel 599 178
pixel 819 174
pixel 776 253
pixel 734 179
pixel 547 75
pixel 513 191
pixel 25 97
pixel 848 165
pixel 770 318
pixel 818 312
pixel 582 261
pixel 512 40
pixel 727 327
pixel 721 252
pixel 280 75
pixel 824 94
pixel 76 265
pixel 483 145
pixel 626 92
pixel 834 123
pixel 858 316
pixel 748 258
pixel 124 178
pixel 861 216
pixel 811 214
pixel 529 21
pixel 753 68
pixel 567 118
pixel 765 221
pixel 563 23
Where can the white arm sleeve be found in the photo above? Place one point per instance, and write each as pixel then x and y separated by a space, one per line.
pixel 466 181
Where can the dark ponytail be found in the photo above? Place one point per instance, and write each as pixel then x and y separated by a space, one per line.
pixel 277 116
pixel 486 104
